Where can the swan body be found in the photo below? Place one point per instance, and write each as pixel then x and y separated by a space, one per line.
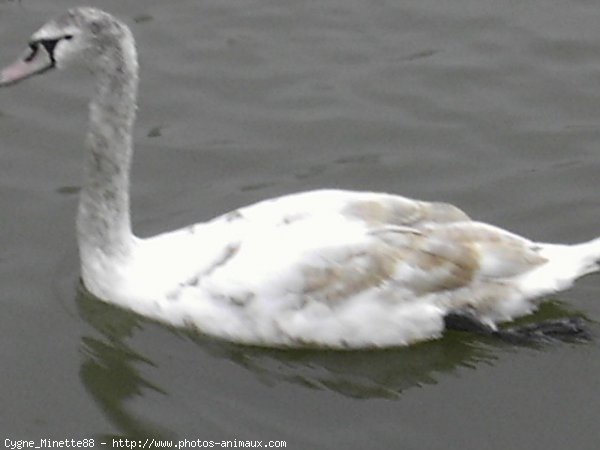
pixel 327 268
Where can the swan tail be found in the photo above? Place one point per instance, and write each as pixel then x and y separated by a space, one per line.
pixel 589 255
pixel 564 264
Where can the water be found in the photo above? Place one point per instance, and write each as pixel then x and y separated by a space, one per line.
pixel 492 105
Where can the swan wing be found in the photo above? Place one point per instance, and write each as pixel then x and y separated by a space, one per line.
pixel 354 270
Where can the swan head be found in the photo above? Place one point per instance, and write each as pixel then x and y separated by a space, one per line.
pixel 81 35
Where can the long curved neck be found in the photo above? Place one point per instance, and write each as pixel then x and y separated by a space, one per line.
pixel 103 219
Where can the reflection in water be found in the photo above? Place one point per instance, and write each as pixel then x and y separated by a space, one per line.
pixel 358 374
pixel 110 368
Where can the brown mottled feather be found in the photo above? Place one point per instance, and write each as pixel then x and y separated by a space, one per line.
pixel 421 248
pixel 402 211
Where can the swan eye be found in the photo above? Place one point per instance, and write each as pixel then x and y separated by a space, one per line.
pixel 68 37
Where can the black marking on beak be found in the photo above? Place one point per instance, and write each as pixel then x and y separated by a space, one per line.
pixel 49 45
pixel 34 49
pixel 38 59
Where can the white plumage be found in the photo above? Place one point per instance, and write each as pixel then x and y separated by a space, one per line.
pixel 324 268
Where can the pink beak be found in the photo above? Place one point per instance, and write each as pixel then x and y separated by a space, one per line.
pixel 35 61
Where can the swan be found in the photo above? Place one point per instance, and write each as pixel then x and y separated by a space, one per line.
pixel 325 268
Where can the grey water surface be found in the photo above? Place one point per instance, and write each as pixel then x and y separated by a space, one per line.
pixel 493 105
